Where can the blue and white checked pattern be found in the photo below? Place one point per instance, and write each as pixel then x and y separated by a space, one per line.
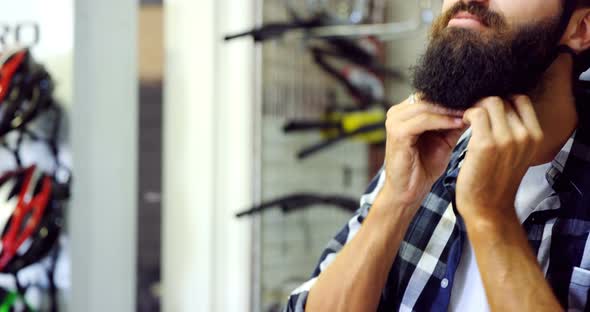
pixel 421 278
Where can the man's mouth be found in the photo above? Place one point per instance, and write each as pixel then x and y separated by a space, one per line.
pixel 466 20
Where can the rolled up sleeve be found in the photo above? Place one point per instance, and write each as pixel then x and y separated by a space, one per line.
pixel 298 298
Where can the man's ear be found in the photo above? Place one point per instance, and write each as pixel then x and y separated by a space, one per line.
pixel 577 34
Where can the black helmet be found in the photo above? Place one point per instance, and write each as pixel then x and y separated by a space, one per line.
pixel 25 89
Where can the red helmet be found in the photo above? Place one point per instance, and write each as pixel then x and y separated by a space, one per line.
pixel 25 89
pixel 30 218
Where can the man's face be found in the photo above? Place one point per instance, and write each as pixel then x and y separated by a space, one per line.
pixel 515 12
pixel 487 48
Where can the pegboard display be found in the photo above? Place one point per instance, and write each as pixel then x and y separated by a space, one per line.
pixel 293 87
pixel 292 243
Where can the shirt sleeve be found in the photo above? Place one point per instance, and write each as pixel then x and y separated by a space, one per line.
pixel 298 298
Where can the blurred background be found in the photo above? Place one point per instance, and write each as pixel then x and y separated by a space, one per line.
pixel 182 155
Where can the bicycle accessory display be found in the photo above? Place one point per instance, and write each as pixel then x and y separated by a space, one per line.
pixel 294 202
pixel 25 90
pixel 337 125
pixel 347 11
pixel 32 199
pixel 31 194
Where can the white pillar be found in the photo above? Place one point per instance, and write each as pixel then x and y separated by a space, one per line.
pixel 102 219
pixel 207 156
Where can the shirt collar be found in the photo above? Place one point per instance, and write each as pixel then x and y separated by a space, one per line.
pixel 554 173
pixel 569 171
pixel 558 164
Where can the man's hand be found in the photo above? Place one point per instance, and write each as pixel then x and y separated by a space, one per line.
pixel 420 139
pixel 505 138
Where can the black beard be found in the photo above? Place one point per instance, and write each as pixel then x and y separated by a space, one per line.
pixel 462 66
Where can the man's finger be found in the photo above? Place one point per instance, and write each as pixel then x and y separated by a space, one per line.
pixel 415 105
pixel 527 114
pixel 497 115
pixel 480 124
pixel 409 111
pixel 429 122
pixel 519 131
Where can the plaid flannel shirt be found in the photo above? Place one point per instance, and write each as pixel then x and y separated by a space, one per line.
pixel 421 277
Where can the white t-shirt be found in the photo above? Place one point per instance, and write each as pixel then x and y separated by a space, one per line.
pixel 468 292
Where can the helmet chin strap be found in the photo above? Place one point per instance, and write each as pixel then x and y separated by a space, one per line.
pixel 565 49
pixel 578 66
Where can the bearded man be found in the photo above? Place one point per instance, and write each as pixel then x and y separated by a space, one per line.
pixel 484 199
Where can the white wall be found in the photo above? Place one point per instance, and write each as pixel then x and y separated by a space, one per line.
pixel 207 156
pixel 103 216
pixel 234 146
